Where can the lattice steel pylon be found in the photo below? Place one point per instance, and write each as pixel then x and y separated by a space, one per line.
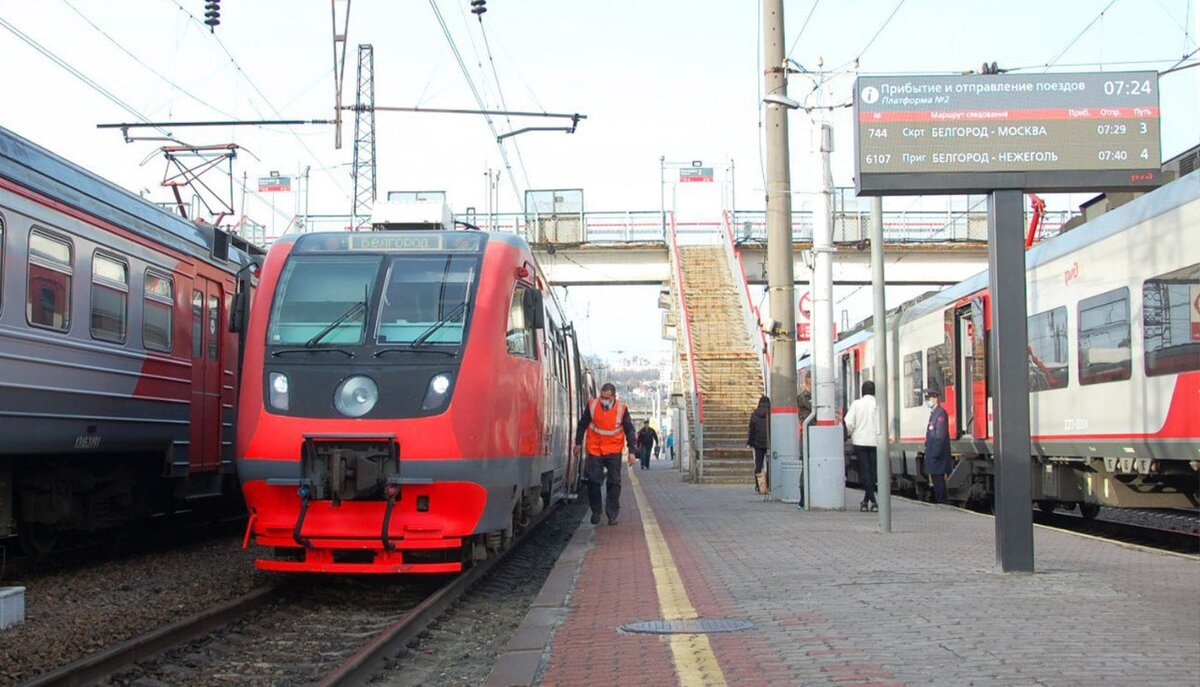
pixel 363 168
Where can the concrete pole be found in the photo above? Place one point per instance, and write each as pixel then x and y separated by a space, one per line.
pixel 883 491
pixel 785 440
pixel 827 465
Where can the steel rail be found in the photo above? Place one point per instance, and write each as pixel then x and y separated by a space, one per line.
pixel 364 663
pixel 107 661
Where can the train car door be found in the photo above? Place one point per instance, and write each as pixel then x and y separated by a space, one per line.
pixel 972 367
pixel 205 449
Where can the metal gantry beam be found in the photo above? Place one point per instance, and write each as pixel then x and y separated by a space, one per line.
pixel 363 168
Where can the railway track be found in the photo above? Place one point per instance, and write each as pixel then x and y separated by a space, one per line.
pixel 314 630
pixel 1171 530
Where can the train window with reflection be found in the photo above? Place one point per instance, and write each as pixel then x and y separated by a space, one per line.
pixel 48 303
pixel 1104 353
pixel 323 300
pixel 214 327
pixel 1171 322
pixel 913 376
pixel 426 299
pixel 158 310
pixel 939 368
pixel 1048 366
pixel 110 297
pixel 519 336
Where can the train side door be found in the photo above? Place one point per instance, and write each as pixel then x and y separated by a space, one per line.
pixel 972 367
pixel 206 300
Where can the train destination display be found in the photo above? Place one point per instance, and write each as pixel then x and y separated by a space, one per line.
pixel 955 134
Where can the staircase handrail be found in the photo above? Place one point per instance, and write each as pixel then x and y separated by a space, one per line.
pixel 750 312
pixel 697 400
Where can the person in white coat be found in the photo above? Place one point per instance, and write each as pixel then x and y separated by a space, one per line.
pixel 862 424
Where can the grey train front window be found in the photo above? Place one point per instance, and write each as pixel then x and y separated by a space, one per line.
pixel 319 293
pixel 425 299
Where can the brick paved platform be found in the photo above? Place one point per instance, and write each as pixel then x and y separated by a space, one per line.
pixel 836 602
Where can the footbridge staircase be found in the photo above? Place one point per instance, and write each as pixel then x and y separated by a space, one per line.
pixel 720 357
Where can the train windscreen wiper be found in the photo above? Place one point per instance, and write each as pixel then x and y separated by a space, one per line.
pixel 287 351
pixel 351 312
pixel 424 336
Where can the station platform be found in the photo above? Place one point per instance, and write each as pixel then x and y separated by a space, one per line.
pixel 834 601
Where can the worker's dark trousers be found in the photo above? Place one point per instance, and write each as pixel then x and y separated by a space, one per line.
pixel 866 471
pixel 939 488
pixel 595 467
pixel 644 456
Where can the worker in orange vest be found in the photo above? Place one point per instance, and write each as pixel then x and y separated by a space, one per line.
pixel 607 426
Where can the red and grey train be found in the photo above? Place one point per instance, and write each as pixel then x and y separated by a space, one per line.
pixel 117 363
pixel 1114 364
pixel 409 400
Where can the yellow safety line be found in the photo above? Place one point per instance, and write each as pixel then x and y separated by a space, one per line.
pixel 695 662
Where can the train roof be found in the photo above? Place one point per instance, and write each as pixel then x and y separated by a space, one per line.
pixel 32 166
pixel 1160 201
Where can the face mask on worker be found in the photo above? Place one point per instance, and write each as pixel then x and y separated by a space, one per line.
pixel 931 402
pixel 607 403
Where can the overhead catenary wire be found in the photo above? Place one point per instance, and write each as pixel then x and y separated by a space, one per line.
pixel 803 26
pixel 70 69
pixel 1079 35
pixel 337 182
pixel 478 100
pixel 503 103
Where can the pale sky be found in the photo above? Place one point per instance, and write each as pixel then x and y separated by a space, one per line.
pixel 676 79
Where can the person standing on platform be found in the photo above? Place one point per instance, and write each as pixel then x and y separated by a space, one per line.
pixel 862 424
pixel 606 425
pixel 938 462
pixel 671 445
pixel 759 439
pixel 647 439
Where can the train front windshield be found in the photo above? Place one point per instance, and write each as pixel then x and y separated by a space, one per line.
pixel 409 299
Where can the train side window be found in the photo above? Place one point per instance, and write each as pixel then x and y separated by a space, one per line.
pixel 214 327
pixel 1171 322
pixel 913 376
pixel 110 298
pixel 1048 366
pixel 197 324
pixel 48 303
pixel 519 338
pixel 2 235
pixel 939 373
pixel 158 311
pixel 1104 352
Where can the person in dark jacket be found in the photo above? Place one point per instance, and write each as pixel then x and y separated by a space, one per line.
pixel 647 439
pixel 938 462
pixel 759 438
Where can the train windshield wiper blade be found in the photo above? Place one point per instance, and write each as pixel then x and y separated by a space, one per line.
pixel 351 312
pixel 411 349
pixel 287 351
pixel 424 336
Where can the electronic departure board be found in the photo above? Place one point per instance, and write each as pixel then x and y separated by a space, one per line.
pixel 1045 132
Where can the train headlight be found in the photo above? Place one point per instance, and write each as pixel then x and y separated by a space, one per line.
pixel 435 396
pixel 278 383
pixel 356 396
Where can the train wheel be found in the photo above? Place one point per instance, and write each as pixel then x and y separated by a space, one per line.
pixel 37 539
pixel 1089 511
pixel 1047 506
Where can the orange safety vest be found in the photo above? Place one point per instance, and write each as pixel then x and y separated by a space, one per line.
pixel 605 435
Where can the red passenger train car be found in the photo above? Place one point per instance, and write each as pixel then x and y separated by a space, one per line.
pixel 408 401
pixel 118 364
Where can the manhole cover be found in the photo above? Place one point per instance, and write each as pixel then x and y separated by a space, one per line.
pixel 689 626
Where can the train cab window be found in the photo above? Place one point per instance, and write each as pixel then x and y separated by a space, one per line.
pixel 158 310
pixel 913 376
pixel 426 299
pixel 323 300
pixel 48 303
pixel 1048 366
pixel 519 337
pixel 1171 322
pixel 110 298
pixel 1104 353
pixel 197 324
